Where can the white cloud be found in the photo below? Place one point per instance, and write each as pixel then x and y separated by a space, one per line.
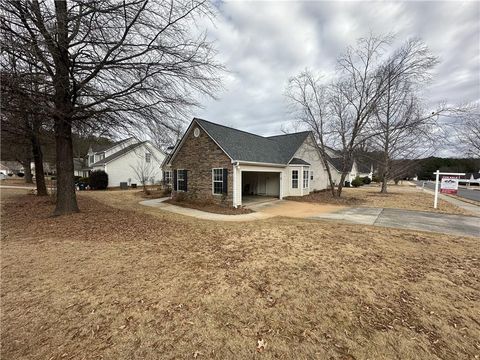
pixel 264 43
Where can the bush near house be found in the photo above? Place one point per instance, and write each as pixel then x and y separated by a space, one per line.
pixel 98 180
pixel 20 174
pixel 357 182
pixel 366 180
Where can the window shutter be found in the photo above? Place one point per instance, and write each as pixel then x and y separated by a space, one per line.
pixel 225 181
pixel 175 180
pixel 185 172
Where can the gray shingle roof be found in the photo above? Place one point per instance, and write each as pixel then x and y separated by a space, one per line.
pixel 297 161
pixel 363 168
pixel 118 154
pixel 243 146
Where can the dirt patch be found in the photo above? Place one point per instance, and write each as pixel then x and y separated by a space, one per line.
pixel 211 208
pixel 398 197
pixel 298 209
pixel 123 281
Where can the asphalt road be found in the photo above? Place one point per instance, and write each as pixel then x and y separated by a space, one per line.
pixel 462 192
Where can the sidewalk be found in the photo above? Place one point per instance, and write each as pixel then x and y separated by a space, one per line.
pixel 408 219
pixel 159 203
pixel 474 209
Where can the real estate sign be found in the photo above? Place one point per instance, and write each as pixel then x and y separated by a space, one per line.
pixel 449 185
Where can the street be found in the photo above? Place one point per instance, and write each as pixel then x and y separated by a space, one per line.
pixel 462 192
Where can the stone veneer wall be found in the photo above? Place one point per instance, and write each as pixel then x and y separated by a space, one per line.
pixel 199 155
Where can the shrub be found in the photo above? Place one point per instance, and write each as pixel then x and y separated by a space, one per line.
pixel 77 178
pixel 376 178
pixel 98 180
pixel 357 182
pixel 10 174
pixel 20 174
pixel 366 180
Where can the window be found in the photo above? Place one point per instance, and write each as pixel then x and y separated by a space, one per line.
pixel 196 132
pixel 311 175
pixel 294 179
pixel 305 179
pixel 168 177
pixel 217 181
pixel 147 157
pixel 181 180
pixel 101 156
pixel 92 159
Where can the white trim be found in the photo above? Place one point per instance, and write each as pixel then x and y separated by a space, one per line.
pixel 308 178
pixel 234 191
pixel 260 163
pixel 213 181
pixel 291 178
pixel 178 189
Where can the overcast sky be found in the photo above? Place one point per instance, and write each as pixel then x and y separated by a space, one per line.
pixel 264 43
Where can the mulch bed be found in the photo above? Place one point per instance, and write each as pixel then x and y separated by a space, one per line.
pixel 211 208
pixel 326 197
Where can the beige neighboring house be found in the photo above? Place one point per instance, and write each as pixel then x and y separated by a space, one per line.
pixel 125 161
pixel 357 168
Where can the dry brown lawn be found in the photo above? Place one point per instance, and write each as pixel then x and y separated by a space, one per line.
pixel 398 197
pixel 122 281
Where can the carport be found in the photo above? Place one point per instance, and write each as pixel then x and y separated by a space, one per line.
pixel 259 185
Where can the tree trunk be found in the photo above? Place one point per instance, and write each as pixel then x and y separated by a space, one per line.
pixel 38 159
pixel 340 185
pixel 27 171
pixel 66 197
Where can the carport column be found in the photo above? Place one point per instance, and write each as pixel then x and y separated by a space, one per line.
pixel 236 201
pixel 280 178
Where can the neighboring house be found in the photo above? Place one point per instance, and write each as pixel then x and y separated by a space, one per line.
pixel 470 178
pixel 78 166
pixel 229 165
pixel 10 167
pixel 357 168
pixel 128 161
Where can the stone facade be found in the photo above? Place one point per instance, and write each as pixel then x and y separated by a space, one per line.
pixel 199 155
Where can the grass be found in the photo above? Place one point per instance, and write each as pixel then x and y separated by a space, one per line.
pixel 122 281
pixel 398 197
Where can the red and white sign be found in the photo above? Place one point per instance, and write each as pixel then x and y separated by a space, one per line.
pixel 449 185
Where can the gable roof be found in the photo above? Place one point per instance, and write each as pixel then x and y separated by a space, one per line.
pixel 244 146
pixel 96 148
pixel 118 154
pixel 297 161
pixel 363 168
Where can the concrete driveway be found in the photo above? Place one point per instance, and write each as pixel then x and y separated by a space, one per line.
pixel 407 219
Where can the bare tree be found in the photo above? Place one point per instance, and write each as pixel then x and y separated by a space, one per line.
pixel 311 106
pixel 401 128
pixel 468 130
pixel 110 64
pixel 22 119
pixel 144 170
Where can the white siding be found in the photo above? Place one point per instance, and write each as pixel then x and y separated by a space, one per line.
pixel 310 153
pixel 122 169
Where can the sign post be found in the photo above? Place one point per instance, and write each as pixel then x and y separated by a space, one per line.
pixel 449 184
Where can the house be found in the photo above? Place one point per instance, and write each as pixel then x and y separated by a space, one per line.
pixel 232 166
pixel 11 167
pixel 357 168
pixel 128 161
pixel 470 178
pixel 78 166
